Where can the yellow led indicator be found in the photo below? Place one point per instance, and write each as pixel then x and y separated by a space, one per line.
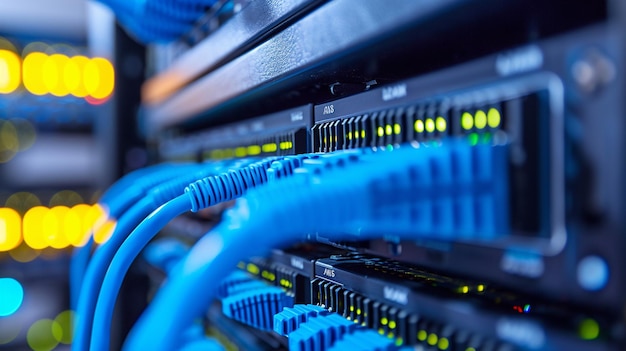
pixel 54 75
pixel 10 229
pixel 397 129
pixel 349 135
pixel 480 288
pixel 32 73
pixel 99 78
pixel 392 324
pixel 388 129
pixel 73 75
pixel 493 118
pixel 104 232
pixel 467 121
pixel 419 126
pixel 381 331
pixel 10 66
pixel 443 344
pixel 254 150
pixel 74 226
pixel 363 134
pixel 589 329
pixel 430 125
pixel 252 268
pixel 286 145
pixel 390 335
pixel 470 349
pixel 351 308
pixel 464 289
pixel 383 321
pixel 356 134
pixel 422 335
pixel 54 232
pixel 380 131
pixel 480 119
pixel 440 124
pixel 432 339
pixel 271 147
pixel 241 152
pixel 34 227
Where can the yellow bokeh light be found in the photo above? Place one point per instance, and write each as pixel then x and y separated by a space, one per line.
pixel 103 233
pixel 23 253
pixel 10 67
pixel 22 201
pixel 33 227
pixel 66 198
pixel 54 75
pixel 10 229
pixel 66 320
pixel 53 227
pixel 9 143
pixel 73 76
pixel 44 334
pixel 99 78
pixel 75 230
pixel 32 73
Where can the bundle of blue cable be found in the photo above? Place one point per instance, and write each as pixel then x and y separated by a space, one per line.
pixel 158 20
pixel 114 202
pixel 453 190
pixel 173 181
pixel 209 191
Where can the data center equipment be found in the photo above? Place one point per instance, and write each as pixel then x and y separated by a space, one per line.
pixel 397 175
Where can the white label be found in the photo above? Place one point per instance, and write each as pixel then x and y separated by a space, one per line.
pixel 329 272
pixel 521 60
pixel 396 295
pixel 296 263
pixel 522 333
pixel 520 264
pixel 394 92
pixel 329 109
pixel 297 116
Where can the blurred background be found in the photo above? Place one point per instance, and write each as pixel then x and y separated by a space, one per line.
pixel 57 81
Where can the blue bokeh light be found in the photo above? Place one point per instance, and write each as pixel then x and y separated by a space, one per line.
pixel 11 296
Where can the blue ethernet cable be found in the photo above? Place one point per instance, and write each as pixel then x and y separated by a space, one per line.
pixel 96 270
pixel 117 199
pixel 161 20
pixel 209 191
pixel 453 189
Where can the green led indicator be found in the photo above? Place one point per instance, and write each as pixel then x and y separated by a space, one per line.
pixel 419 126
pixel 493 118
pixel 440 124
pixel 443 344
pixel 480 119
pixel 589 329
pixel 241 152
pixel 430 125
pixel 467 121
pixel 473 139
pixel 397 129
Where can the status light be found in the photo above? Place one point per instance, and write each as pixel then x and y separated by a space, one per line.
pixel 11 296
pixel 493 118
pixel 10 229
pixel 10 67
pixel 467 121
pixel 480 119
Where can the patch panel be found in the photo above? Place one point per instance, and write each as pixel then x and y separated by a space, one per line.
pixel 404 305
pixel 281 133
